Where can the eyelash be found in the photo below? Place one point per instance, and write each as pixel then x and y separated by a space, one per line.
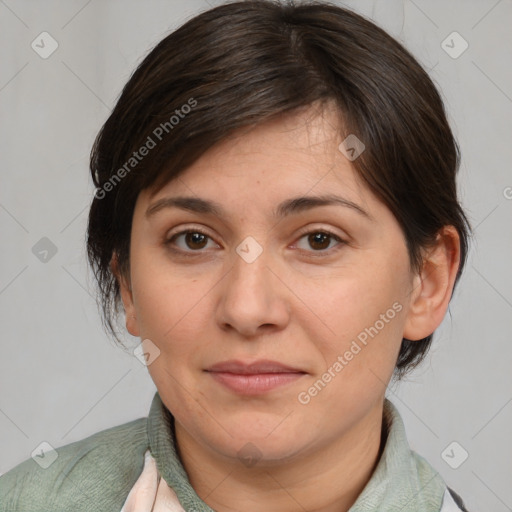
pixel 321 253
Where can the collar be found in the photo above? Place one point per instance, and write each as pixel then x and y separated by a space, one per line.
pixel 402 480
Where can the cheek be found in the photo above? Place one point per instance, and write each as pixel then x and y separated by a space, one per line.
pixel 169 303
pixel 360 313
pixel 357 358
pixel 171 312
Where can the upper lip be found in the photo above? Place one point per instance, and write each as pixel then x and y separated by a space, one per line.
pixel 256 367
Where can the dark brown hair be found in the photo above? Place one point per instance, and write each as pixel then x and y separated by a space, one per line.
pixel 243 63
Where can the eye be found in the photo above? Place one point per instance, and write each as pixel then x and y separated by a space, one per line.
pixel 320 240
pixel 194 239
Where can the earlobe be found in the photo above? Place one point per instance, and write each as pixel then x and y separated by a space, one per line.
pixel 433 286
pixel 126 297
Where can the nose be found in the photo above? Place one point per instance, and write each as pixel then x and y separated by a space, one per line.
pixel 253 297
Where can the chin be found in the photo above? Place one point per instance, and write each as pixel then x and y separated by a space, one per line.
pixel 263 436
pixel 261 451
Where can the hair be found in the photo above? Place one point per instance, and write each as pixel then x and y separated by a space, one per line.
pixel 245 62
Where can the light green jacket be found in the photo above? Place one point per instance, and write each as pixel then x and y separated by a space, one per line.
pixel 98 472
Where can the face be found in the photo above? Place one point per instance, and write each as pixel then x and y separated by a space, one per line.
pixel 278 322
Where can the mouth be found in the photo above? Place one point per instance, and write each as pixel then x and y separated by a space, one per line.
pixel 253 378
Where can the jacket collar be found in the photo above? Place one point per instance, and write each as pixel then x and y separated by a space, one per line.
pixel 402 480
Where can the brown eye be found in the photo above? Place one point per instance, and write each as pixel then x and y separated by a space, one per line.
pixel 320 242
pixel 194 241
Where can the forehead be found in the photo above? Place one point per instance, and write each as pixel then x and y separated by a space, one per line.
pixel 292 155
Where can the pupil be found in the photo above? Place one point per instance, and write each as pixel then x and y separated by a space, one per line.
pixel 195 238
pixel 318 238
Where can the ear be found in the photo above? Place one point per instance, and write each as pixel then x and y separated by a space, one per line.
pixel 433 285
pixel 126 296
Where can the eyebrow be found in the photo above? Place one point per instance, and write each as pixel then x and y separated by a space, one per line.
pixel 289 207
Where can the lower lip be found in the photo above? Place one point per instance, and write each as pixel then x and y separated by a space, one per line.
pixel 254 384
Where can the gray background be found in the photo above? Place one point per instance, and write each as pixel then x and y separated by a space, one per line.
pixel 62 379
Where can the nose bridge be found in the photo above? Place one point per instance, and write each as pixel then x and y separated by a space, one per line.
pixel 250 272
pixel 250 297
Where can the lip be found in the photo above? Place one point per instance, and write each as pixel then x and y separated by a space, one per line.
pixel 254 368
pixel 253 378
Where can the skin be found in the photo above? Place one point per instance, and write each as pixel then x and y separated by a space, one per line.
pixel 289 305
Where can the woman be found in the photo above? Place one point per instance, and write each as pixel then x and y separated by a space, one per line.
pixel 276 212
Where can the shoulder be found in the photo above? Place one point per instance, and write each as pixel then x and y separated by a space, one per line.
pixel 94 473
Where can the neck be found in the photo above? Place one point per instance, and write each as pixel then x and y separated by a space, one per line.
pixel 328 480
